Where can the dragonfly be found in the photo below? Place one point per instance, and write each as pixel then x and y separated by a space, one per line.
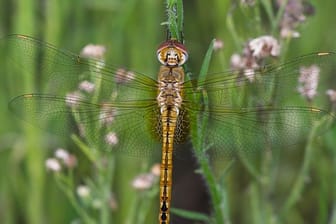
pixel 231 113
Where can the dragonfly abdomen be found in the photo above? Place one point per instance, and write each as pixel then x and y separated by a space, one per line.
pixel 168 118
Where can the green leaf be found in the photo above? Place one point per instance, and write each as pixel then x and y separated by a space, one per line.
pixel 191 215
pixel 206 62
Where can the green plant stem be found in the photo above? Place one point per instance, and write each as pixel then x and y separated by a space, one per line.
pixel 106 181
pixel 216 196
pixel 132 211
pixel 65 184
pixel 299 184
pixel 255 204
pixel 25 22
pixel 333 212
pixel 232 29
pixel 175 18
pixel 217 192
pixel 146 204
pixel 84 148
pixel 279 16
pixel 269 11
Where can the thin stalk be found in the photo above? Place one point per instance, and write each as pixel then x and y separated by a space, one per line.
pixel 217 195
pixel 86 150
pixel 268 8
pixel 333 212
pixel 217 199
pixel 232 29
pixel 175 18
pixel 299 184
pixel 26 22
pixel 256 211
pixel 105 184
pixel 278 16
pixel 333 184
pixel 63 184
pixel 132 210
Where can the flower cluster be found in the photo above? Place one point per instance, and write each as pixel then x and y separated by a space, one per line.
pixel 111 138
pixel 308 81
pixel 107 113
pixel 72 99
pixel 123 76
pixel 93 51
pixel 87 196
pixel 86 86
pixel 218 44
pixel 332 95
pixel 62 158
pixel 253 54
pixel 146 180
pixel 295 14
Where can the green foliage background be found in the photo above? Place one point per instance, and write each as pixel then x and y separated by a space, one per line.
pixel 131 31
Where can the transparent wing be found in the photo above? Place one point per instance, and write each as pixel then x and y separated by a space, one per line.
pixel 258 129
pixel 270 84
pixel 249 115
pixel 115 102
pixel 63 71
pixel 123 126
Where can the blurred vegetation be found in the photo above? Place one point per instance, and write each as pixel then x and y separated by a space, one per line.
pixel 131 31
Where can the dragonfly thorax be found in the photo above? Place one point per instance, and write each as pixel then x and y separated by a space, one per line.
pixel 170 88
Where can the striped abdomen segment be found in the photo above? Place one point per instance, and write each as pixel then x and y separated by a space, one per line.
pixel 168 117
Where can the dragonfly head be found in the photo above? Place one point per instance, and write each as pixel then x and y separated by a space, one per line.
pixel 172 53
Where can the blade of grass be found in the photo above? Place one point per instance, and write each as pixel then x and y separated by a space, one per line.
pixel 217 192
pixel 191 215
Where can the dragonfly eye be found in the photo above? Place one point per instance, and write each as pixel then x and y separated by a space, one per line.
pixel 172 53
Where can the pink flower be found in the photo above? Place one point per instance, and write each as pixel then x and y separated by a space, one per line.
pixel 111 138
pixel 264 46
pixel 308 81
pixel 86 86
pixel 143 181
pixel 53 165
pixel 93 51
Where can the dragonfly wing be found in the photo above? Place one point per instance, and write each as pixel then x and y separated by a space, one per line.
pixel 64 71
pixel 252 130
pixel 85 95
pixel 116 125
pixel 272 84
pixel 137 131
pixel 249 115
